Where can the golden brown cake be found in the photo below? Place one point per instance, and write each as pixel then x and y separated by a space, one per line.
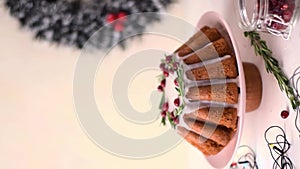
pixel 219 134
pixel 200 39
pixel 186 45
pixel 218 48
pixel 226 69
pixel 207 146
pixel 225 116
pixel 210 128
pixel 219 92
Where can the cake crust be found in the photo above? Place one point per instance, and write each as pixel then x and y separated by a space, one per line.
pixel 218 48
pixel 220 135
pixel 206 146
pixel 226 116
pixel 219 92
pixel 199 40
pixel 226 69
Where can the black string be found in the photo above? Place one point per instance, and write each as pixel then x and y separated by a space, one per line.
pixel 294 82
pixel 279 148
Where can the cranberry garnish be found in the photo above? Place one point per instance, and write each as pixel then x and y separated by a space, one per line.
pixel 284 114
pixel 165 106
pixel 177 102
pixel 233 165
pixel 176 120
pixel 168 59
pixel 163 83
pixel 162 66
pixel 163 113
pixel 176 82
pixel 283 9
pixel 160 88
pixel 287 15
pixel 278 26
pixel 166 74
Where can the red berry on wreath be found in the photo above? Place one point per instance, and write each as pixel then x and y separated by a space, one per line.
pixel 169 58
pixel 163 83
pixel 162 66
pixel 166 74
pixel 165 106
pixel 163 113
pixel 176 120
pixel 160 88
pixel 176 82
pixel 177 102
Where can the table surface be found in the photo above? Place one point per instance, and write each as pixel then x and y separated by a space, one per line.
pixel 39 126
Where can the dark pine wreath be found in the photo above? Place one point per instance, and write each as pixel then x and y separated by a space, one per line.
pixel 72 22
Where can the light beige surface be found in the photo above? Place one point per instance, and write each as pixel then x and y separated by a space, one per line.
pixel 38 124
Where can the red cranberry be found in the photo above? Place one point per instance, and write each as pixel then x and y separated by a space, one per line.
pixel 163 113
pixel 233 165
pixel 284 114
pixel 163 83
pixel 162 66
pixel 160 88
pixel 177 102
pixel 165 106
pixel 287 15
pixel 278 26
pixel 176 82
pixel 176 120
pixel 169 58
pixel 166 74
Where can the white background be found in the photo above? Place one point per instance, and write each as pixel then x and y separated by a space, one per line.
pixel 38 125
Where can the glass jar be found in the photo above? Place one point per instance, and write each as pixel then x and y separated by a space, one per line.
pixel 273 16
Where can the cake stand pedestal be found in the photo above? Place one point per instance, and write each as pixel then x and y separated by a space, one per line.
pixel 253 86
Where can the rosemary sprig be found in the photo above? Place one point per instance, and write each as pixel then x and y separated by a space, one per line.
pixel 272 66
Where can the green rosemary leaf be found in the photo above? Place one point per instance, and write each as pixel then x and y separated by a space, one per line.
pixel 177 111
pixel 272 66
pixel 163 121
